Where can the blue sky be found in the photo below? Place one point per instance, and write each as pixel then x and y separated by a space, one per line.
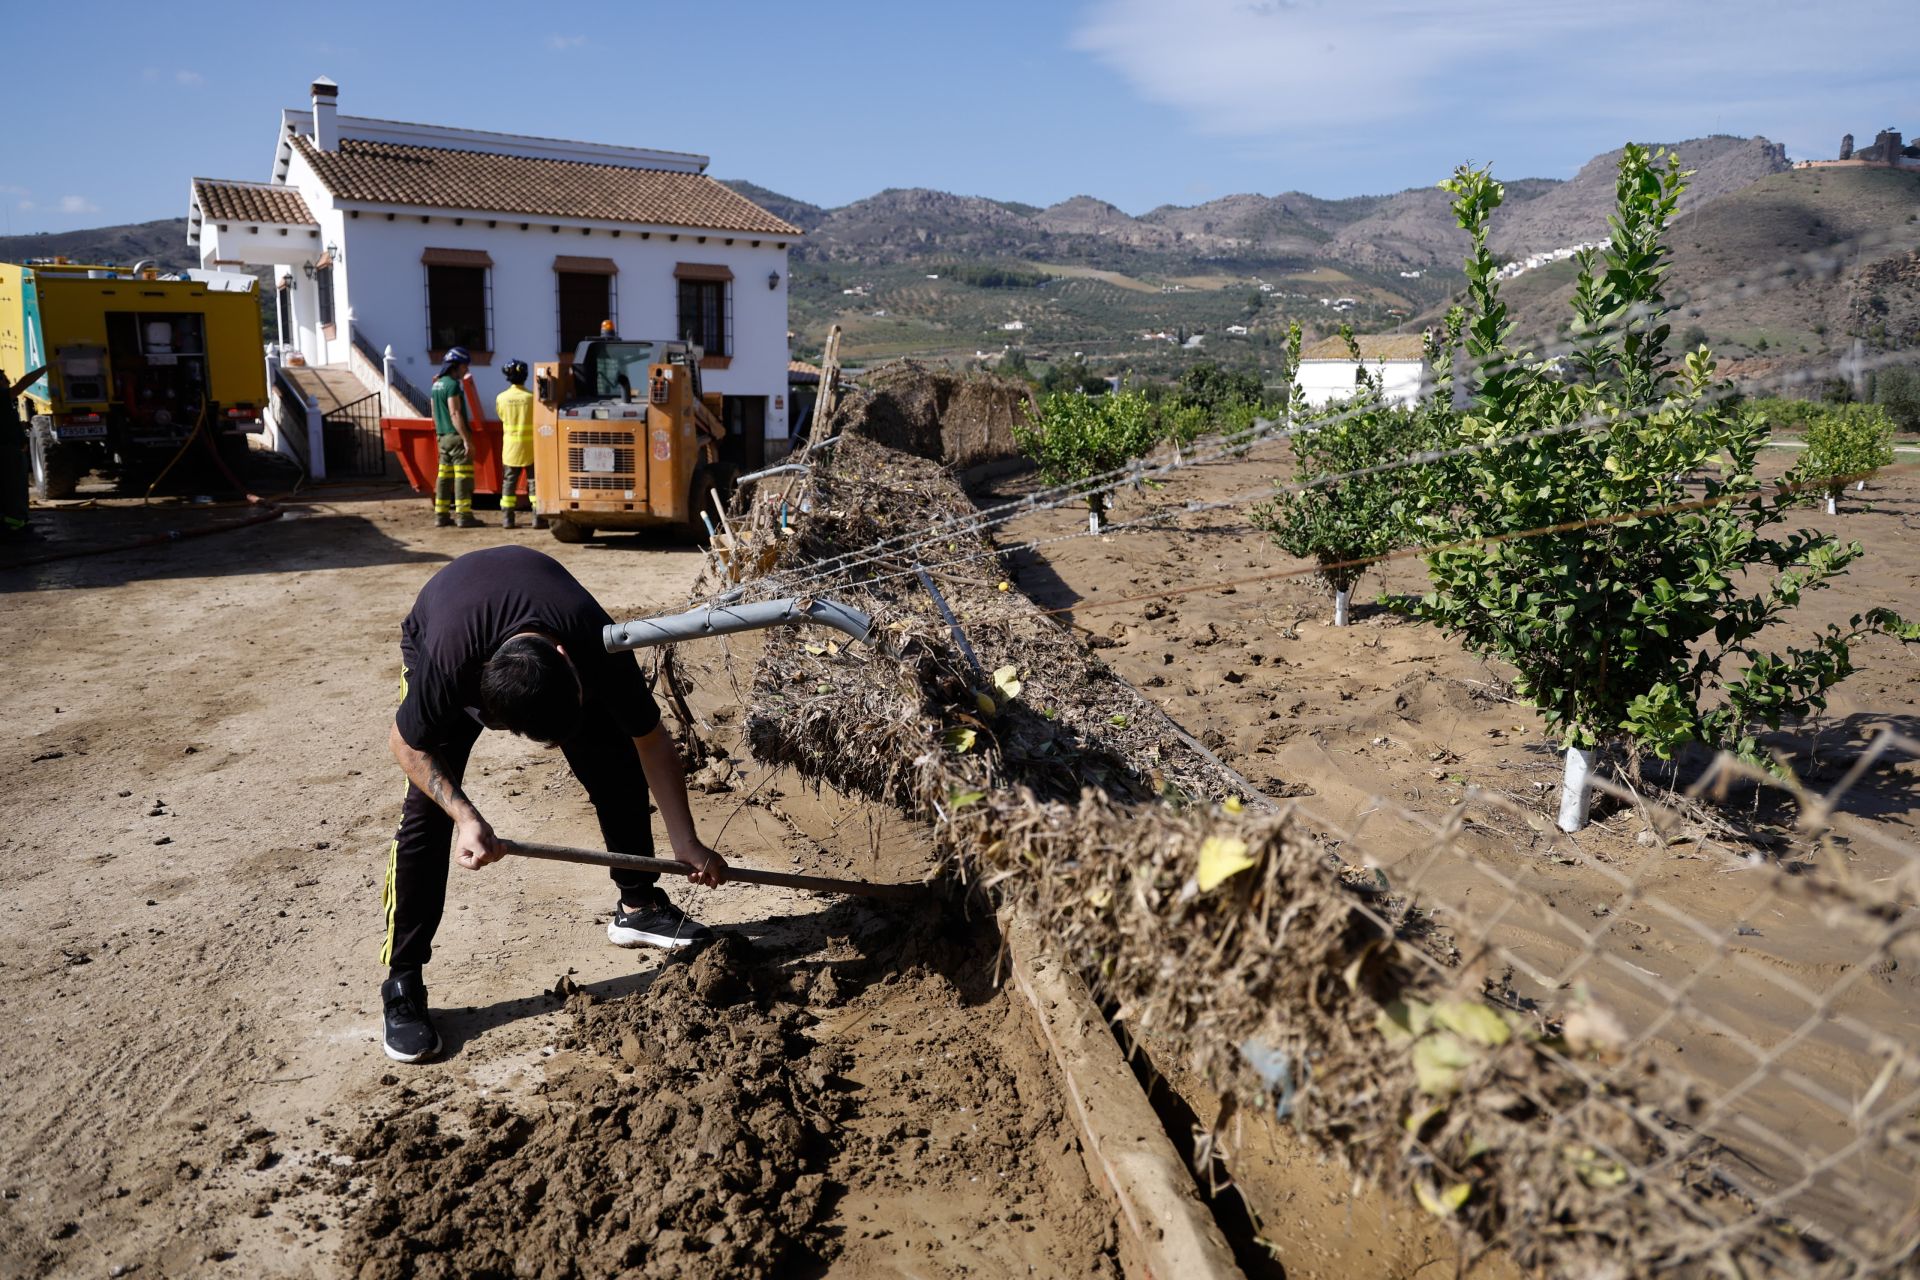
pixel 1141 102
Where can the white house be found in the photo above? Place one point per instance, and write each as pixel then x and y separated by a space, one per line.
pixel 1398 362
pixel 416 238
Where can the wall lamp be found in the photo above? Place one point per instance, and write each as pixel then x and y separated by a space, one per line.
pixel 773 279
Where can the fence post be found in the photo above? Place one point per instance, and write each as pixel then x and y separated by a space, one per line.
pixel 386 381
pixel 316 439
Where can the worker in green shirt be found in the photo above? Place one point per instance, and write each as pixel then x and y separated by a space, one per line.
pixel 453 488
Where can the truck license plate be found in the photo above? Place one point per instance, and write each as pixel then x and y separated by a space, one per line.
pixel 597 458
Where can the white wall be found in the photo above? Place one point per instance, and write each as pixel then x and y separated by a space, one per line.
pixel 379 276
pixel 1323 381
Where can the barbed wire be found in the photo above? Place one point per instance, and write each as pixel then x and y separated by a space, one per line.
pixel 781 584
pixel 1782 273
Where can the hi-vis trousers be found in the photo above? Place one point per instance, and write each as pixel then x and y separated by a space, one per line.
pixel 453 489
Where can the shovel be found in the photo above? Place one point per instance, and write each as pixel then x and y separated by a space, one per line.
pixel 750 875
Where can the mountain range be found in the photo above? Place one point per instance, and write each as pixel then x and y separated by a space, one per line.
pixel 912 271
pixel 1413 228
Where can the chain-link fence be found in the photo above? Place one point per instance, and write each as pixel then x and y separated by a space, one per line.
pixel 1758 953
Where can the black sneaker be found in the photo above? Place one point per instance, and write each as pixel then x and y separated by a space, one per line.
pixel 655 923
pixel 410 1033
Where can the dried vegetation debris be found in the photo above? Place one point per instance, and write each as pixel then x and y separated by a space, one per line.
pixel 688 1141
pixel 962 419
pixel 1228 941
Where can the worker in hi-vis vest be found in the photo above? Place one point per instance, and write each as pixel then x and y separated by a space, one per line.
pixel 514 408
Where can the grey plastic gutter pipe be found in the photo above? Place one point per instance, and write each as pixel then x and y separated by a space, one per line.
pixel 725 619
pixel 782 469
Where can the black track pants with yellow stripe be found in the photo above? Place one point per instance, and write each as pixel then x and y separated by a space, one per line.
pixel 415 894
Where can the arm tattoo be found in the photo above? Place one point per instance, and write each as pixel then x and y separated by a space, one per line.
pixel 444 791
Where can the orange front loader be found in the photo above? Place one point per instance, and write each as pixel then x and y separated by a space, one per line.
pixel 623 438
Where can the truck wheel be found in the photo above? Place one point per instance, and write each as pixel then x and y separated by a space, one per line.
pixel 567 530
pixel 56 467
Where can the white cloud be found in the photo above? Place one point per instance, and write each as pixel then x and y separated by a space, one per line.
pixel 28 206
pixel 189 78
pixel 566 42
pixel 1333 72
pixel 77 204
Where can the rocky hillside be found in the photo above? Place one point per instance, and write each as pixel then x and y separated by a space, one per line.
pixel 1779 275
pixel 1411 229
pixel 164 240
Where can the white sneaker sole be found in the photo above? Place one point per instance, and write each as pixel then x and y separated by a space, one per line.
pixel 631 938
pixel 398 1056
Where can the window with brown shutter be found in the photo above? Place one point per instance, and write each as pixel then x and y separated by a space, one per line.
pixel 459 300
pixel 587 294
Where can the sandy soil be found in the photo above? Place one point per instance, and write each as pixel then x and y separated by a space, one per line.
pixel 1353 723
pixel 188 953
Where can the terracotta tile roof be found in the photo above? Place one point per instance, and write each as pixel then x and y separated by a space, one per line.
pixel 224 201
pixel 1373 346
pixel 485 182
pixel 802 372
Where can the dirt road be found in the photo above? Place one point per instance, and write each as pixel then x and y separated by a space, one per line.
pixel 201 800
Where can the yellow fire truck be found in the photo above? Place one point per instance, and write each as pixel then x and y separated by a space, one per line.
pixel 136 362
pixel 624 439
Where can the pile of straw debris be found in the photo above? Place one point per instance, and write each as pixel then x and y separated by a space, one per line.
pixel 1226 940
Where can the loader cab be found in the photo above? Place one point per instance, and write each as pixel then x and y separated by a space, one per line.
pixel 618 369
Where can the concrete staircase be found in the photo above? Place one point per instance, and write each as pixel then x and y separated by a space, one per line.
pixel 332 385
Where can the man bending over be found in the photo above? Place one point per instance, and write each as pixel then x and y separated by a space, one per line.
pixel 506 638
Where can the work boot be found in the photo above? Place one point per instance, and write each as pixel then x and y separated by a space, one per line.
pixel 507 520
pixel 468 520
pixel 442 520
pixel 655 922
pixel 539 521
pixel 410 1036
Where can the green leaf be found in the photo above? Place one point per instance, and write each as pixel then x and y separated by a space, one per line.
pixel 961 799
pixel 1473 1020
pixel 1440 1059
pixel 960 740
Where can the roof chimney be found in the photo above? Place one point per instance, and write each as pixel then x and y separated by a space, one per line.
pixel 326 126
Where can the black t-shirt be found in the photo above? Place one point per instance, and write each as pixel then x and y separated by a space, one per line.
pixel 484 597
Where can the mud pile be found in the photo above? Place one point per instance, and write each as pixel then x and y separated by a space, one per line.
pixel 963 420
pixel 689 1143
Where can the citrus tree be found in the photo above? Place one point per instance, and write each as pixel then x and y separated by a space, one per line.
pixel 1846 443
pixel 1339 510
pixel 1601 528
pixel 1073 436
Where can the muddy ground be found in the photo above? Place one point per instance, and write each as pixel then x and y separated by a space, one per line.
pixel 189 967
pixel 1360 726
pixel 188 947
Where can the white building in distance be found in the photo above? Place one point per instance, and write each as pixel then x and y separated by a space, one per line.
pixel 422 237
pixel 1398 362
